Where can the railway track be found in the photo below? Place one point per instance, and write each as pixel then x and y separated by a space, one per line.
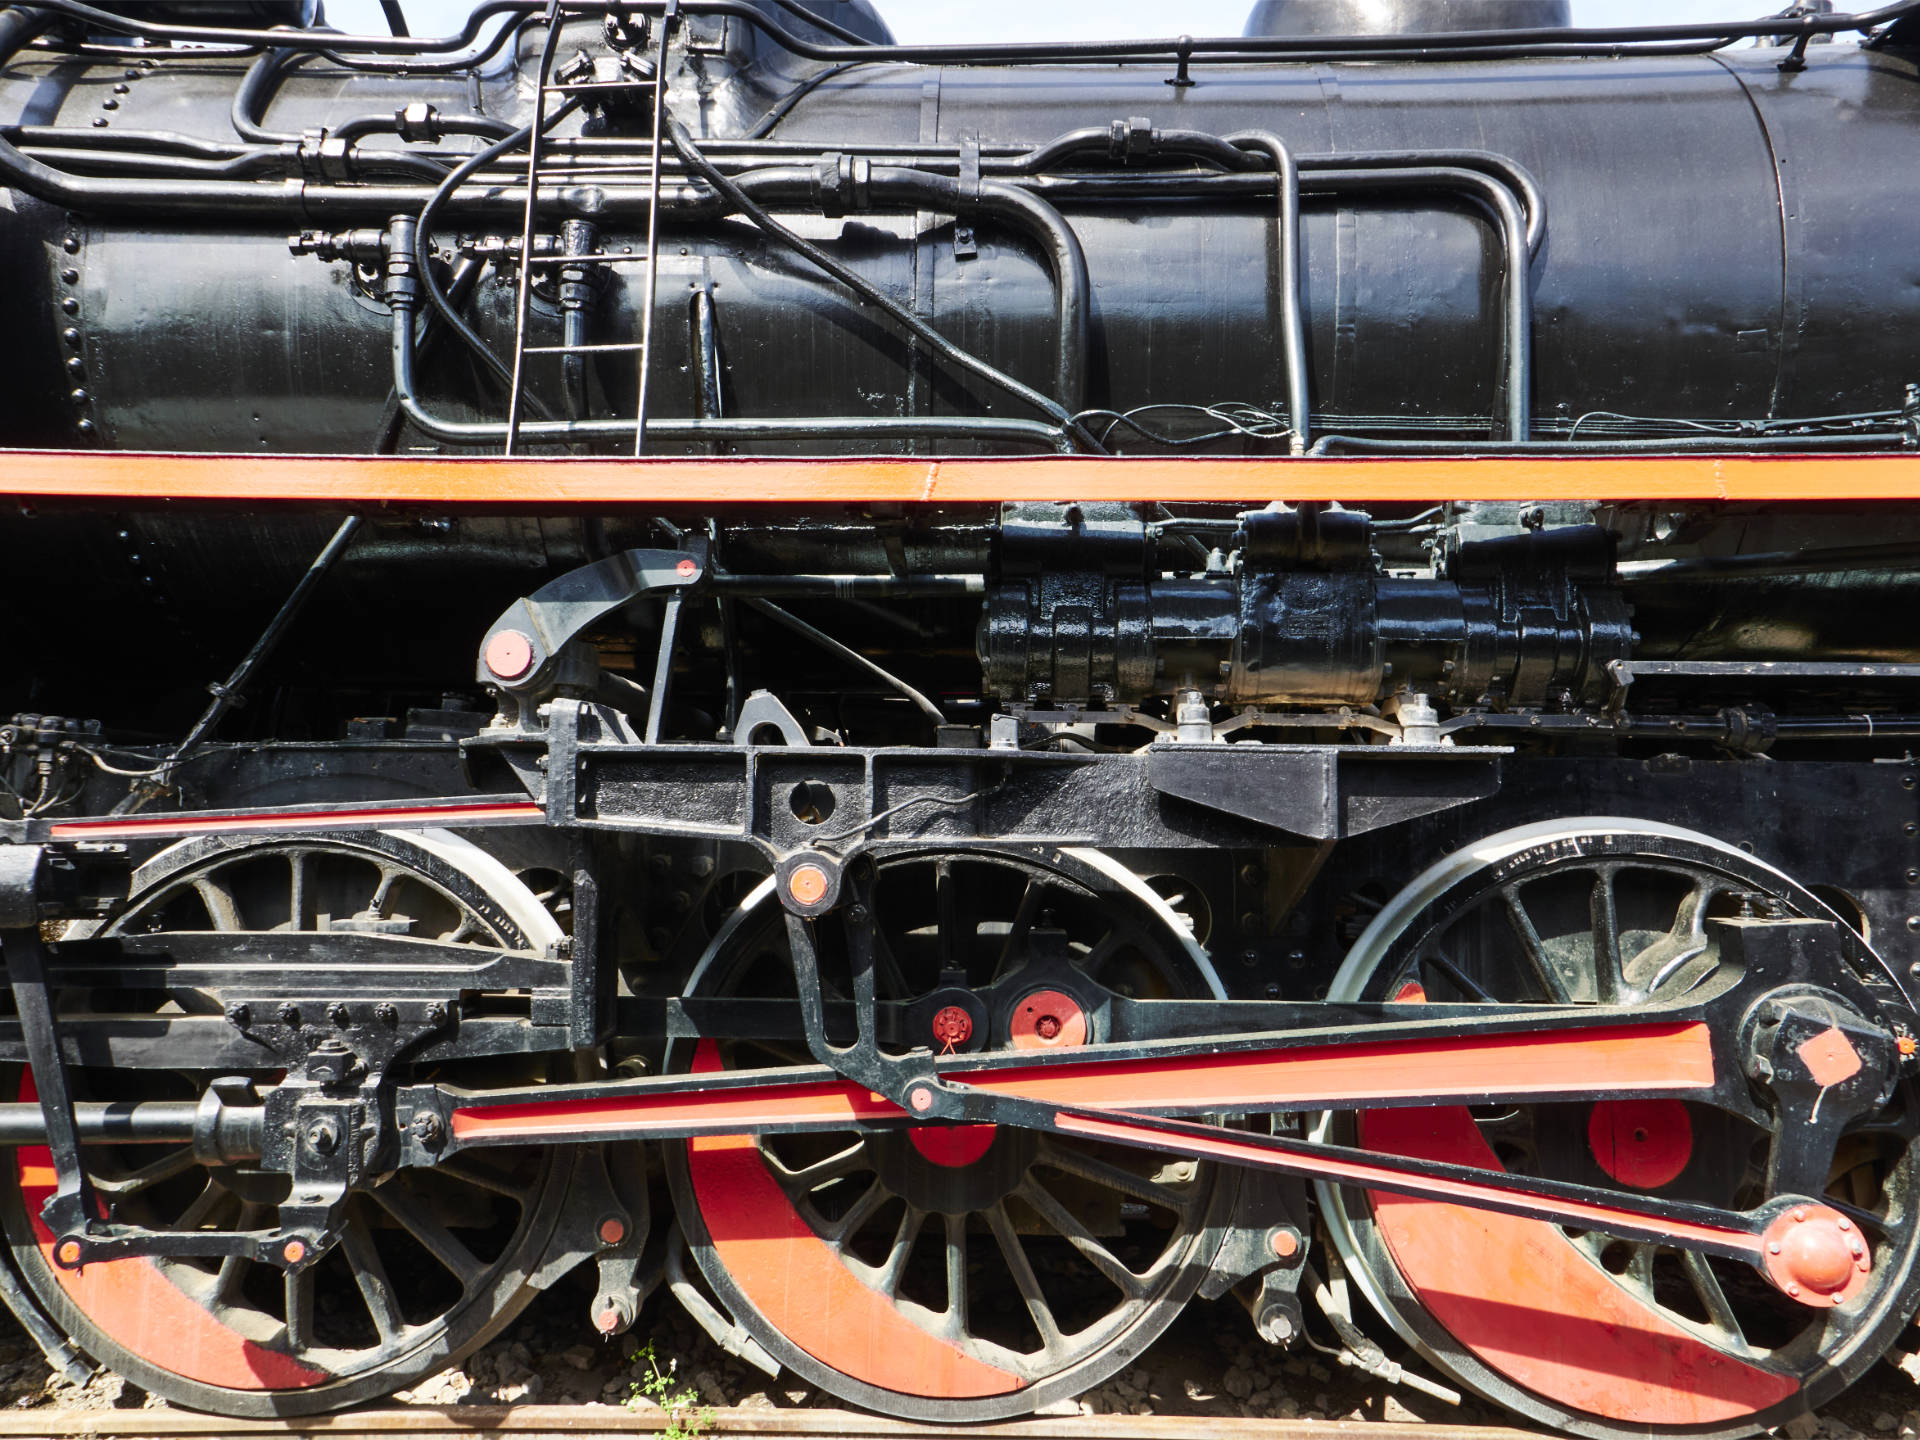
pixel 529 1422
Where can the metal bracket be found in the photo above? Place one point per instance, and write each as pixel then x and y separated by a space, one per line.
pixel 71 1210
pixel 524 647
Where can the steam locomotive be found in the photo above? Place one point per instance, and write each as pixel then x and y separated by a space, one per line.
pixel 946 699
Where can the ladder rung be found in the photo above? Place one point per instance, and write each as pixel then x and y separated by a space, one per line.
pixel 581 349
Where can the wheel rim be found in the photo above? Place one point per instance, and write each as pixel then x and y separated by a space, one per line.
pixel 1585 1333
pixel 430 1264
pixel 952 1272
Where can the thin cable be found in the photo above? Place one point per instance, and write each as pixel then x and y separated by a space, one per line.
pixel 861 286
pixel 428 282
pixel 847 652
pixel 783 107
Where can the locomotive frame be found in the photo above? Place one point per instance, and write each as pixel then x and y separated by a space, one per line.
pixel 1739 1086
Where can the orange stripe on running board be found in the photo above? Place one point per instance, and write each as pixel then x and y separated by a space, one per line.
pixel 355 480
pixel 1644 1057
pixel 1674 1057
pixel 1429 1186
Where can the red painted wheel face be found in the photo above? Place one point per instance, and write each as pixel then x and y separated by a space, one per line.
pixel 940 1271
pixel 1617 1339
pixel 803 1288
pixel 1519 1295
pixel 134 1304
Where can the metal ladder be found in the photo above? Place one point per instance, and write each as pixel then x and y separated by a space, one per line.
pixel 548 90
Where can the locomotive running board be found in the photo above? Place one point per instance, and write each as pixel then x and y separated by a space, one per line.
pixel 132 477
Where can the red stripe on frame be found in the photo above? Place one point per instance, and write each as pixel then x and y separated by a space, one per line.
pixel 135 827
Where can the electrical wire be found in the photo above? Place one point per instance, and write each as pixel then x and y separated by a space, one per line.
pixel 783 107
pixel 431 284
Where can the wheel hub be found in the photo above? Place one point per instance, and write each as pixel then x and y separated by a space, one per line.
pixel 1642 1143
pixel 952 1169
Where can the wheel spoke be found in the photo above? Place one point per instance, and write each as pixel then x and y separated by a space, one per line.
pixel 887 1280
pixel 204 1206
pixel 300 894
pixel 299 1297
pixel 1470 988
pixel 1069 1228
pixel 176 1162
pixel 233 1268
pixel 1113 1177
pixel 222 908
pixel 1103 951
pixel 383 892
pixel 1609 975
pixel 1023 918
pixel 946 897
pixel 1706 1285
pixel 1024 1279
pixel 858 1213
pixel 956 1317
pixel 1690 925
pixel 438 1241
pixel 370 1274
pixel 470 1171
pixel 1533 947
pixel 808 1178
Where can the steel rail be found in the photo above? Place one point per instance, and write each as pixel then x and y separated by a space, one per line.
pixel 474 1422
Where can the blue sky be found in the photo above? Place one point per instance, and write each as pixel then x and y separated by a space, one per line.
pixel 935 22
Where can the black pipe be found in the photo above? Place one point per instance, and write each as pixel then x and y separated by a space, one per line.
pixel 251 97
pixel 860 285
pixel 1289 282
pixel 1029 433
pixel 1483 188
pixel 148 1122
pixel 1874 442
pixel 1073 286
pixel 160 142
pixel 1225 49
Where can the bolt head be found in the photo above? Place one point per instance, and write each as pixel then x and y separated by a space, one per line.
pixel 921 1099
pixel 807 884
